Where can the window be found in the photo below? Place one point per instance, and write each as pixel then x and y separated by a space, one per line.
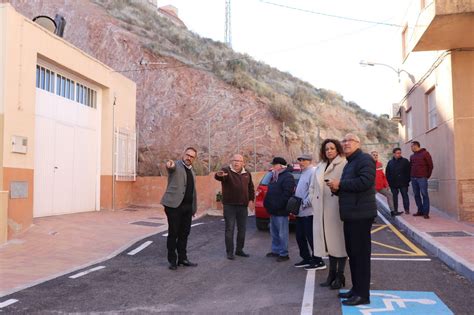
pixel 44 79
pixel 432 109
pixel 38 70
pixel 409 125
pixel 125 153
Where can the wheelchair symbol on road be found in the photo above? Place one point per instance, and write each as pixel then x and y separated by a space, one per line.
pixel 400 302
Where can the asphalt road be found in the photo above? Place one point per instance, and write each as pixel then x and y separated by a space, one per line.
pixel 142 283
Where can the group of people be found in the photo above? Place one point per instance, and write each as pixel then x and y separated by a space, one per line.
pixel 336 213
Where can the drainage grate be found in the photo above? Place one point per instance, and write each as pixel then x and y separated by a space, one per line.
pixel 144 223
pixel 450 234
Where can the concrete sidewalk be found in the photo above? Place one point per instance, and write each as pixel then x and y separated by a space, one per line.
pixel 444 237
pixel 61 244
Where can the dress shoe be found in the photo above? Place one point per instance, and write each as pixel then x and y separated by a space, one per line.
pixel 407 211
pixel 242 254
pixel 345 295
pixel 283 258
pixel 426 216
pixel 418 214
pixel 186 263
pixel 230 257
pixel 395 213
pixel 272 254
pixel 172 267
pixel 355 300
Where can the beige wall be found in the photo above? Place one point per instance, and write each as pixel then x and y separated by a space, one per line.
pixel 23 43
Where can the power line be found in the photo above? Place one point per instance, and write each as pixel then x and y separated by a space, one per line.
pixel 332 15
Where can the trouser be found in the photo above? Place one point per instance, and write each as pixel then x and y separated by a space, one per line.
pixel 279 232
pixel 304 238
pixel 358 246
pixel 404 193
pixel 420 190
pixel 179 227
pixel 386 192
pixel 233 214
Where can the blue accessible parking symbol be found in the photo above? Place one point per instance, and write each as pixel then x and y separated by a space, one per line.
pixel 400 302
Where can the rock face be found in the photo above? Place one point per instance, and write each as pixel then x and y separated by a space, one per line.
pixel 180 105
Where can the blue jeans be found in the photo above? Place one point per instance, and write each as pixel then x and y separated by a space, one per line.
pixel 279 232
pixel 420 190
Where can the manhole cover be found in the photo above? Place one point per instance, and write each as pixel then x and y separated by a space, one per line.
pixel 144 223
pixel 449 234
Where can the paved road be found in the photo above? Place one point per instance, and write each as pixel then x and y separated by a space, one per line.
pixel 141 283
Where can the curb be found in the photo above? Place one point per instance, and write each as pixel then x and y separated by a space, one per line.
pixel 452 260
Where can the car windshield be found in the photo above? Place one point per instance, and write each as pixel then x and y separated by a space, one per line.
pixel 266 179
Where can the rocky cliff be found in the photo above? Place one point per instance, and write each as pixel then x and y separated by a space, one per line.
pixel 197 92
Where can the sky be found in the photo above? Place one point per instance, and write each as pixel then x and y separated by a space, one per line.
pixel 324 51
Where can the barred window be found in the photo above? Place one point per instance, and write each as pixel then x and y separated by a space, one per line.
pixel 125 154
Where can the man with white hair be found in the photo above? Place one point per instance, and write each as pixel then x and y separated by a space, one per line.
pixel 358 208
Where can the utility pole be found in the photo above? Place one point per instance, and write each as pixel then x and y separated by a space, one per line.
pixel 228 33
pixel 254 147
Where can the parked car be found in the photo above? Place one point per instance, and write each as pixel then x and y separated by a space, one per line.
pixel 262 218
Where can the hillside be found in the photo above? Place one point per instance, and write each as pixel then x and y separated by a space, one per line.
pixel 195 91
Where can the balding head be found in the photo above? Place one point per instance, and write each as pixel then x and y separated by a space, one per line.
pixel 350 144
pixel 237 162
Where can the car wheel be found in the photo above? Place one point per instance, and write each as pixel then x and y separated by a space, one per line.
pixel 262 225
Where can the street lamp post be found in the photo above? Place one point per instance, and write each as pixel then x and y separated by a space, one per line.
pixel 365 63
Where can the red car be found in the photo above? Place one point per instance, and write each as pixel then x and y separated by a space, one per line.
pixel 262 218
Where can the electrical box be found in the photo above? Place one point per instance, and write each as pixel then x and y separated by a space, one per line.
pixel 19 144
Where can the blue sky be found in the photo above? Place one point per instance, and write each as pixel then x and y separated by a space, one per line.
pixel 324 51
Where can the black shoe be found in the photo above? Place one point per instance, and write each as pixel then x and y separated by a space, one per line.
pixel 355 300
pixel 283 258
pixel 426 216
pixel 339 282
pixel 418 214
pixel 395 213
pixel 186 263
pixel 407 211
pixel 345 295
pixel 272 254
pixel 302 264
pixel 242 254
pixel 316 266
pixel 230 257
pixel 172 267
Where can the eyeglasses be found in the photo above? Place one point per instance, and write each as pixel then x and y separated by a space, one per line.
pixel 348 140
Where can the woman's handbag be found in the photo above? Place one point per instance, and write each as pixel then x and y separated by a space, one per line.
pixel 293 205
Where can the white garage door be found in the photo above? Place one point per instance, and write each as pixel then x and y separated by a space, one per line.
pixel 66 155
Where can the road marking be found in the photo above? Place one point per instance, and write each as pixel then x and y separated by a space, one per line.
pixel 7 303
pixel 416 250
pixel 80 274
pixel 392 247
pixel 140 248
pixel 401 259
pixel 195 224
pixel 307 304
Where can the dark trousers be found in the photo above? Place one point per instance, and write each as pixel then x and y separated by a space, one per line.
pixel 233 214
pixel 304 237
pixel 404 192
pixel 179 226
pixel 358 246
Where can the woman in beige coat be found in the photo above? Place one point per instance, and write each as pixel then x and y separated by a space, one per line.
pixel 328 234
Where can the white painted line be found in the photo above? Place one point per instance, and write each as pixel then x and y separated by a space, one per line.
pixel 7 303
pixel 140 248
pixel 80 274
pixel 401 259
pixel 196 224
pixel 307 304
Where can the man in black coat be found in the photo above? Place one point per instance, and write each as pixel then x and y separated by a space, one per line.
pixel 280 189
pixel 398 177
pixel 357 208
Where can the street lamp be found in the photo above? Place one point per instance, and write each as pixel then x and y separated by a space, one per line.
pixel 365 63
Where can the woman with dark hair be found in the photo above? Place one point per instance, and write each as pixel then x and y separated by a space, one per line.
pixel 328 233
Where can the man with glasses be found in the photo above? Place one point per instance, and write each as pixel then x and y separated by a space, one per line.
pixel 357 208
pixel 237 192
pixel 180 204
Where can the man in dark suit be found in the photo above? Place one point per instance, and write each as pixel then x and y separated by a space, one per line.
pixel 398 177
pixel 180 205
pixel 357 208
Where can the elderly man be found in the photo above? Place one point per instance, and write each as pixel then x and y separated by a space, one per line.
pixel 237 192
pixel 180 203
pixel 280 189
pixel 358 209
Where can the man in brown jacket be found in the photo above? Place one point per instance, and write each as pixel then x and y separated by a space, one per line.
pixel 237 192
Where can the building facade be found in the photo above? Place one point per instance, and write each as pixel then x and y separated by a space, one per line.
pixel 437 107
pixel 67 126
